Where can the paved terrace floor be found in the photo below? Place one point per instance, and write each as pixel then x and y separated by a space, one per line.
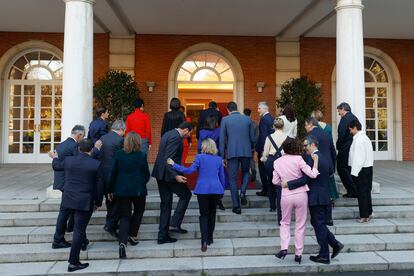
pixel 29 181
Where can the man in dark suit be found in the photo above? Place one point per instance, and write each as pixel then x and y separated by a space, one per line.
pixel 67 148
pixel 265 129
pixel 212 110
pixel 169 182
pixel 326 147
pixel 111 143
pixel 83 193
pixel 343 144
pixel 99 126
pixel 319 201
pixel 237 134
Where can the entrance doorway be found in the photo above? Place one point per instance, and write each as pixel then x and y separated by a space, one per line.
pixel 204 77
pixel 33 99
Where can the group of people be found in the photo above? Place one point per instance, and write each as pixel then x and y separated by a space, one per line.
pixel 294 174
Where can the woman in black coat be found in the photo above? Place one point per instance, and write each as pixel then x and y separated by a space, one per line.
pixel 172 119
pixel 128 179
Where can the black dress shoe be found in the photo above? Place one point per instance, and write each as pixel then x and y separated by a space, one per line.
pixel 85 245
pixel 330 223
pixel 243 199
pixel 210 241
pixel 122 251
pixel 350 196
pixel 221 206
pixel 236 211
pixel 79 266
pixel 178 229
pixel 337 250
pixel 261 193
pixel 203 247
pixel 61 244
pixel 166 240
pixel 133 241
pixel 111 232
pixel 319 259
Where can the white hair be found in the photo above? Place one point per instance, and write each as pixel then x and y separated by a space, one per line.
pixel 263 105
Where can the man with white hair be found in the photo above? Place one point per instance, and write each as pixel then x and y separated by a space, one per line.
pixel 265 129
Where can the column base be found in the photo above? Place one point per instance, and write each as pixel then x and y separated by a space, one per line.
pixel 50 193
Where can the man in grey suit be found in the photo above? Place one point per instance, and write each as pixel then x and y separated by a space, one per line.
pixel 237 136
pixel 111 143
pixel 169 182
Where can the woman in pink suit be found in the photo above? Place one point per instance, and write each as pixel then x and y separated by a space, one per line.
pixel 290 167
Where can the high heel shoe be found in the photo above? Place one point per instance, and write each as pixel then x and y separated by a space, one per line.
pixel 122 252
pixel 298 258
pixel 281 254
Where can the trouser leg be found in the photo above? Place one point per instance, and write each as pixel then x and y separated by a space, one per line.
pixel 61 224
pixel 81 219
pixel 166 196
pixel 139 209
pixel 233 164
pixel 184 195
pixel 124 208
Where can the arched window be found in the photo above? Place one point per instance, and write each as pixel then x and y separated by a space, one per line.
pixel 377 103
pixel 37 65
pixel 205 70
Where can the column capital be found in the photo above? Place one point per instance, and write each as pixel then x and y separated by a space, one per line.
pixel 348 4
pixel 92 2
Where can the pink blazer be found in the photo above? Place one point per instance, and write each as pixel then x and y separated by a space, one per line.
pixel 290 167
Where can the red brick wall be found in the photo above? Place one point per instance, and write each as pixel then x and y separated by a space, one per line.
pixel 318 58
pixel 155 54
pixel 101 46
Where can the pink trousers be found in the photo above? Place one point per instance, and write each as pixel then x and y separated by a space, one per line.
pixel 299 203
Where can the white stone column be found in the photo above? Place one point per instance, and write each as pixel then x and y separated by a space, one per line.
pixel 350 84
pixel 77 94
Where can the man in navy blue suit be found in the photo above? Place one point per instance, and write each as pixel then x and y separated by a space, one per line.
pixel 99 126
pixel 265 129
pixel 319 201
pixel 237 135
pixel 67 148
pixel 326 147
pixel 83 193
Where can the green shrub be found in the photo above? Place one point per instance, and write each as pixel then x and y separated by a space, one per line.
pixel 117 91
pixel 304 96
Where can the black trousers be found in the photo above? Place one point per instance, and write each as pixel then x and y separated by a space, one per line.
pixel 64 216
pixel 112 217
pixel 275 195
pixel 129 224
pixel 344 172
pixel 264 178
pixel 81 220
pixel 207 204
pixel 324 237
pixel 364 186
pixel 166 190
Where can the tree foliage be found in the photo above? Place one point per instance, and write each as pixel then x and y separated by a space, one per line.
pixel 304 96
pixel 117 91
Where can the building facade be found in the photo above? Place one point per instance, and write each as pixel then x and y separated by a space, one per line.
pixel 47 76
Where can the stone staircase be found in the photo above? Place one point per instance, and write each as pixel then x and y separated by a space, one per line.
pixel 243 244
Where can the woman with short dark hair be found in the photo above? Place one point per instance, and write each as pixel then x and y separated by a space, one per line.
pixel 127 182
pixel 173 118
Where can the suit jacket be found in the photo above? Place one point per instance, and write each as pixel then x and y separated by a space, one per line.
pixel 236 136
pixel 129 174
pixel 319 187
pixel 69 147
pixel 172 119
pixel 84 186
pixel 326 146
pixel 343 144
pixel 97 129
pixel 171 146
pixel 111 143
pixel 265 129
pixel 211 179
pixel 203 116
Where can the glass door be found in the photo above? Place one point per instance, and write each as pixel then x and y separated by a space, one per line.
pixel 34 121
pixel 378 120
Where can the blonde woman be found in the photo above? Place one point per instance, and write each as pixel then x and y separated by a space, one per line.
pixel 127 182
pixel 209 187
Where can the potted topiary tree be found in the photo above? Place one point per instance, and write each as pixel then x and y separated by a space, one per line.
pixel 117 91
pixel 304 96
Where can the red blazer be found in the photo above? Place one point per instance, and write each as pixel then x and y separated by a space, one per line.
pixel 139 122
